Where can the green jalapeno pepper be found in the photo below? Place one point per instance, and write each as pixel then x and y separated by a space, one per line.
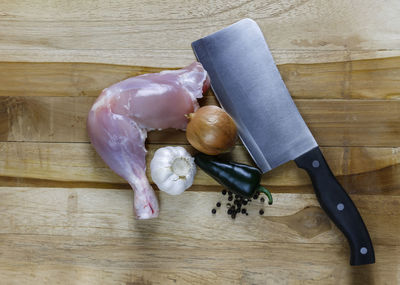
pixel 241 179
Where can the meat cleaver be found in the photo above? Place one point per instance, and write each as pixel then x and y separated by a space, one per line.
pixel 249 87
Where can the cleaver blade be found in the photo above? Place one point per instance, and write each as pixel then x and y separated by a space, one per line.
pixel 249 87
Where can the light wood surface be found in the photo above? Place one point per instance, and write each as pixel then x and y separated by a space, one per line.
pixel 333 122
pixel 66 218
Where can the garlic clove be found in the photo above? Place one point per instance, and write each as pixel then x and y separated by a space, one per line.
pixel 190 176
pixel 160 174
pixel 168 186
pixel 173 185
pixel 179 187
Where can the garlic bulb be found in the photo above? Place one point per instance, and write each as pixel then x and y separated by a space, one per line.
pixel 172 169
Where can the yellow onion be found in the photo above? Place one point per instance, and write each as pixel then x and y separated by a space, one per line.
pixel 211 130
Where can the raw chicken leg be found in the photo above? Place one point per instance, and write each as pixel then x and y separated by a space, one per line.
pixel 120 118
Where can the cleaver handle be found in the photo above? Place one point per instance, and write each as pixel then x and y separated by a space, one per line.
pixel 338 205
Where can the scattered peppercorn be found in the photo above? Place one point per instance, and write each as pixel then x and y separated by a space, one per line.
pixel 236 202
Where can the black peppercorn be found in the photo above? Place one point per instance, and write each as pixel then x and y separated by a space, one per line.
pixel 224 192
pixel 213 211
pixel 261 212
pixel 218 204
pixel 262 200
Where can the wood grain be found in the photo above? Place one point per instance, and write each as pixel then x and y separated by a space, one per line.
pixel 163 58
pixel 360 169
pixel 63 79
pixel 332 122
pixel 159 34
pixel 358 79
pixel 92 232
pixel 109 213
pixel 41 259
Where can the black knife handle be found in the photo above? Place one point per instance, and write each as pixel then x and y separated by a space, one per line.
pixel 338 205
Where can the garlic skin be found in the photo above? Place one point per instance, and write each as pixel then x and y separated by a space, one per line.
pixel 172 169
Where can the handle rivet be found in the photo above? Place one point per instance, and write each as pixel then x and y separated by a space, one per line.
pixel 315 163
pixel 340 207
pixel 363 250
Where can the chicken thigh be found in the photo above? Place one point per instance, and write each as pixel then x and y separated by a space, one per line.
pixel 123 113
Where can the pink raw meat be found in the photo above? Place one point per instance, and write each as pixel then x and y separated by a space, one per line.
pixel 120 118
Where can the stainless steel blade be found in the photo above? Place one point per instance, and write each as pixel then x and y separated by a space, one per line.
pixel 249 87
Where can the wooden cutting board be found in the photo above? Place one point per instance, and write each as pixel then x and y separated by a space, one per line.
pixel 66 218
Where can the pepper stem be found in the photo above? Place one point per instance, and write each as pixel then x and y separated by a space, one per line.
pixel 266 192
